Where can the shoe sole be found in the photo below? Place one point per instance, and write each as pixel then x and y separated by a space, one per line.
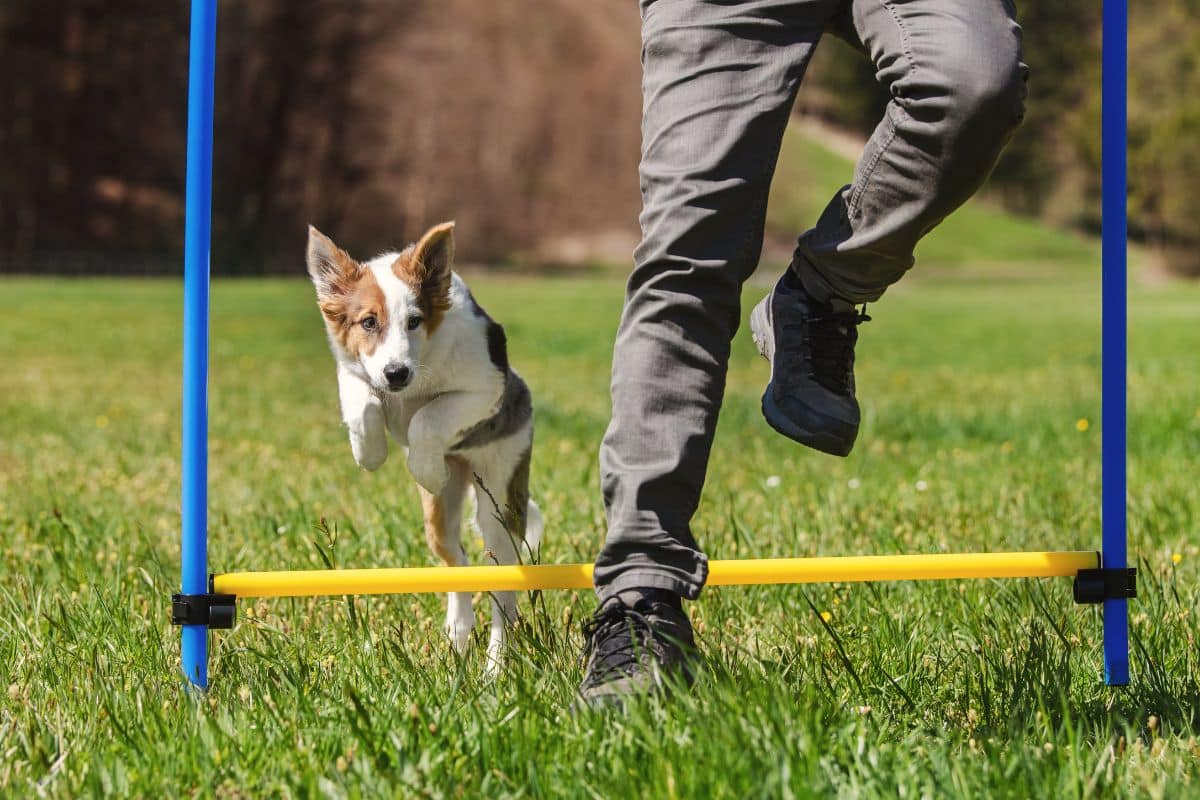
pixel 763 332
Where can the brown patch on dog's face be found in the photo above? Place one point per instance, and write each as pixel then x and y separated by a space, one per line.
pixel 348 295
pixel 357 318
pixel 426 269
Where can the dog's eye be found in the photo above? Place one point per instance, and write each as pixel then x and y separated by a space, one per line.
pixel 369 323
pixel 414 322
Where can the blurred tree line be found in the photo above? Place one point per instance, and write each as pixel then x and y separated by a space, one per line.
pixel 373 118
pixel 1052 167
pixel 368 118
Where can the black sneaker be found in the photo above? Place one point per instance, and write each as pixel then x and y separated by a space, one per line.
pixel 810 345
pixel 638 649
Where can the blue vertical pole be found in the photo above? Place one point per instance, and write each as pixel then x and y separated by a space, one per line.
pixel 197 245
pixel 1113 508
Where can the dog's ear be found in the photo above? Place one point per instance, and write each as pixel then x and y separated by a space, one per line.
pixel 435 250
pixel 329 266
pixel 434 254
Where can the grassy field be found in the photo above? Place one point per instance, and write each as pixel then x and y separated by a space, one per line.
pixel 981 433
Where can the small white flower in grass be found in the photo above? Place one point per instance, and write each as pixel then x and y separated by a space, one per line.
pixel 282 529
pixel 854 483
pixel 773 481
pixel 922 486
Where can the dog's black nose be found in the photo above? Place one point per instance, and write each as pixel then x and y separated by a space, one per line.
pixel 397 375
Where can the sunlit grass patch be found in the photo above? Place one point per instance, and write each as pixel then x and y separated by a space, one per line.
pixel 973 396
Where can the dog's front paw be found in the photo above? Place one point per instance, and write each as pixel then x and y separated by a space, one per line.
pixel 368 441
pixel 429 469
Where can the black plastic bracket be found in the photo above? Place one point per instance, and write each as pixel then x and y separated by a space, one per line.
pixel 213 610
pixel 1098 585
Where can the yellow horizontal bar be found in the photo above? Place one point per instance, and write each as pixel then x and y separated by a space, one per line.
pixel 406 580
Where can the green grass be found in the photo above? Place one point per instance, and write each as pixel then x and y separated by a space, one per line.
pixel 974 394
pixel 809 173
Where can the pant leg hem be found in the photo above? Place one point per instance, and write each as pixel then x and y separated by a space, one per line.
pixel 651 579
pixel 818 284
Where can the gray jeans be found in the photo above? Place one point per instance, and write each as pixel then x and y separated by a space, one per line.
pixel 719 79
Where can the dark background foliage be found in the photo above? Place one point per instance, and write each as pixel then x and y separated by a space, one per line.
pixel 373 118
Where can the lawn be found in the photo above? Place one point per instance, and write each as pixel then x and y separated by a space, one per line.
pixel 981 432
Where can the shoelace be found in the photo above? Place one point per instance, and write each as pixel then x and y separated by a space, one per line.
pixel 616 634
pixel 827 344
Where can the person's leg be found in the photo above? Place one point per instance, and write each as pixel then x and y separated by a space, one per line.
pixel 957 87
pixel 719 79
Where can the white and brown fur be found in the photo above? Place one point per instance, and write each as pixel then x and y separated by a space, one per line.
pixel 417 358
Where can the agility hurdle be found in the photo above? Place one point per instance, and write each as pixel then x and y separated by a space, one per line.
pixel 206 601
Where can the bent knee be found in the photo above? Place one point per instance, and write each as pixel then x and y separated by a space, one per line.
pixel 992 95
pixel 971 84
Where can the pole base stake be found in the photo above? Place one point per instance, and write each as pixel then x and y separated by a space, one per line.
pixel 213 610
pixel 1097 585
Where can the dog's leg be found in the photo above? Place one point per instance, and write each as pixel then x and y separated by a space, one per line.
pixel 363 413
pixel 502 500
pixel 443 532
pixel 433 429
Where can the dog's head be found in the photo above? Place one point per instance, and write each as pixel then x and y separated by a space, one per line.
pixel 381 313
